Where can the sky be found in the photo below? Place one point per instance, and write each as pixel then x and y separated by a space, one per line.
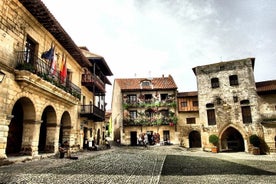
pixel 151 38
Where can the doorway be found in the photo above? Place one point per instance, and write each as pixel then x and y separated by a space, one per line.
pixel 232 140
pixel 133 138
pixel 194 139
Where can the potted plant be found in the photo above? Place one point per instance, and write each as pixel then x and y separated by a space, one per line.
pixel 255 141
pixel 214 140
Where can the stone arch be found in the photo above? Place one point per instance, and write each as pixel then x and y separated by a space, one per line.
pixel 47 130
pixel 22 127
pixel 194 139
pixel 65 127
pixel 231 139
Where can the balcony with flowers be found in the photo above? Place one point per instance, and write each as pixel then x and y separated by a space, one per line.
pixel 150 119
pixel 149 103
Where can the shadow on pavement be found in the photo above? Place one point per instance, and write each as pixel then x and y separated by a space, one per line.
pixel 188 166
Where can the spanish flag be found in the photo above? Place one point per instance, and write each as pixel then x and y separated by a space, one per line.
pixel 63 70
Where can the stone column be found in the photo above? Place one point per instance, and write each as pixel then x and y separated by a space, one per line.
pixel 30 138
pixel 51 137
pixel 4 129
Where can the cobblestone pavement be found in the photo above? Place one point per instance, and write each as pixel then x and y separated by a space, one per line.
pixel 157 164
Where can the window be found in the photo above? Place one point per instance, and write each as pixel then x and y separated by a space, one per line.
pixel 133 114
pixel 164 96
pixel 235 99
pixel 246 114
pixel 132 98
pixel 149 113
pixel 30 48
pixel 233 80
pixel 215 82
pixel 218 100
pixel 183 104
pixel 195 103
pixel 211 117
pixel 190 120
pixel 148 97
pixel 145 83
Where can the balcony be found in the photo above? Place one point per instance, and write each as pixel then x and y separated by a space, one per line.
pixel 93 83
pixel 149 104
pixel 92 112
pixel 154 120
pixel 42 68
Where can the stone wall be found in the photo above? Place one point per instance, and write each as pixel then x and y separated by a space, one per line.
pixel 226 98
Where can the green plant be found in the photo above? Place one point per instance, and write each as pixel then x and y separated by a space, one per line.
pixel 214 139
pixel 255 140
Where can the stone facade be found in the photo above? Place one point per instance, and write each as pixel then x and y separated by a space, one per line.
pixel 38 110
pixel 229 106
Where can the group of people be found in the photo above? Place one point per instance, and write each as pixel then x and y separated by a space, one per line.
pixel 148 139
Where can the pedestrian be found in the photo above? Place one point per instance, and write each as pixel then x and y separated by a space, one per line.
pixel 64 149
pixel 107 145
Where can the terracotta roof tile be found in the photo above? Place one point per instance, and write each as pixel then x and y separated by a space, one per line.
pixel 157 83
pixel 266 86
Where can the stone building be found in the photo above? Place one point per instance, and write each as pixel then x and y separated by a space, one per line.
pixel 43 93
pixel 230 104
pixel 92 108
pixel 145 107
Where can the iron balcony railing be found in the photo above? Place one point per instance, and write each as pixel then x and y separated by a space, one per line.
pixel 92 112
pixel 32 63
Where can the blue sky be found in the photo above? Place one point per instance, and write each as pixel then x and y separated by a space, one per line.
pixel 148 38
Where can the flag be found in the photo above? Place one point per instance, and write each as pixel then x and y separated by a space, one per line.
pixel 49 54
pixel 63 70
pixel 53 61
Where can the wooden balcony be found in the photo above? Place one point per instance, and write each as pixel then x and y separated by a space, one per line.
pixel 92 112
pixel 93 83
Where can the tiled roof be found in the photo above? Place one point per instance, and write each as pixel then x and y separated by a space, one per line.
pixel 266 86
pixel 132 84
pixel 187 94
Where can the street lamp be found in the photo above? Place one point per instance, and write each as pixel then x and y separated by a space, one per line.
pixel 2 76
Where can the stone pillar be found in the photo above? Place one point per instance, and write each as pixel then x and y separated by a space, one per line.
pixel 30 138
pixel 51 137
pixel 4 129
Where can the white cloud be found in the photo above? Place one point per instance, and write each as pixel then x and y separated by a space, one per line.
pixel 155 37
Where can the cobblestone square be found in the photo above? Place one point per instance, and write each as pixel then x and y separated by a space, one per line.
pixel 156 164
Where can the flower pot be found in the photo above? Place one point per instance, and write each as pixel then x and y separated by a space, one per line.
pixel 214 149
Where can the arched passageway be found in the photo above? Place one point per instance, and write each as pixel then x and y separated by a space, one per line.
pixel 232 140
pixel 194 139
pixel 65 128
pixel 47 130
pixel 23 112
